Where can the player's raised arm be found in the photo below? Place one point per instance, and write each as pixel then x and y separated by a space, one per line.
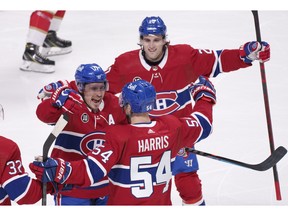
pixel 198 126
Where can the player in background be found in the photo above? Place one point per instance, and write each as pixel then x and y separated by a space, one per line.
pixel 138 157
pixel 15 184
pixel 42 41
pixel 90 108
pixel 171 68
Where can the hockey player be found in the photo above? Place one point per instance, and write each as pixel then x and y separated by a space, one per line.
pixel 138 157
pixel 171 68
pixel 90 108
pixel 15 184
pixel 42 41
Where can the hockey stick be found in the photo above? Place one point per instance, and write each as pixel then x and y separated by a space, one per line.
pixel 269 162
pixel 267 109
pixel 59 126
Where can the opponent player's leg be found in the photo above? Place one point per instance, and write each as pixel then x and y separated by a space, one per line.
pixel 53 45
pixel 187 180
pixel 33 60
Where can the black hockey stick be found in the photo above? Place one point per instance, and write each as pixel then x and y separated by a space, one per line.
pixel 267 109
pixel 59 126
pixel 269 162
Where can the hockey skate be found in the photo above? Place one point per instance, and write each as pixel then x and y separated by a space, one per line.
pixel 54 45
pixel 33 60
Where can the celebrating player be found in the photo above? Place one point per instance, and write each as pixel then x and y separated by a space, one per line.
pixel 138 157
pixel 90 108
pixel 171 68
pixel 15 184
pixel 42 41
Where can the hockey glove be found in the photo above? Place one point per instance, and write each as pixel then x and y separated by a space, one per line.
pixel 204 90
pixel 54 188
pixel 67 99
pixel 254 50
pixel 48 90
pixel 52 170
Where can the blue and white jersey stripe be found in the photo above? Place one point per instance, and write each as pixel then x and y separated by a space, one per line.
pixel 11 185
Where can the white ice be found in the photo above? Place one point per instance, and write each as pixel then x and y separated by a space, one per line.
pixel 240 127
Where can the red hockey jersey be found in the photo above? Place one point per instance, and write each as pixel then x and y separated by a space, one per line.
pixel 70 144
pixel 15 184
pixel 181 65
pixel 139 158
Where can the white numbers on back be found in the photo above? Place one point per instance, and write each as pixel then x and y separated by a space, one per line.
pixel 163 174
pixel 105 155
pixel 15 167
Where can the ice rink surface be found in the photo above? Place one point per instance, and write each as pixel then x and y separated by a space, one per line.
pixel 240 128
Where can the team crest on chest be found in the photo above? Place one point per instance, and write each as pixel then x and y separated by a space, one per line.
pixel 168 102
pixel 84 118
pixel 92 141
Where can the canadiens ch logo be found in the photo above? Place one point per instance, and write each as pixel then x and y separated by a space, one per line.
pixel 84 118
pixel 166 103
pixel 91 141
pixel 171 101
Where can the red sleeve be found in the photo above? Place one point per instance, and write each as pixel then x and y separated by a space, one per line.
pixel 231 61
pixel 198 126
pixel 34 193
pixel 47 113
pixel 211 63
pixel 14 180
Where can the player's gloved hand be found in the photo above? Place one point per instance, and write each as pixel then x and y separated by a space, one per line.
pixel 67 99
pixel 254 50
pixel 52 170
pixel 204 90
pixel 48 90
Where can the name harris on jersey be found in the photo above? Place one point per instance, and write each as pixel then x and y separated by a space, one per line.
pixel 153 143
